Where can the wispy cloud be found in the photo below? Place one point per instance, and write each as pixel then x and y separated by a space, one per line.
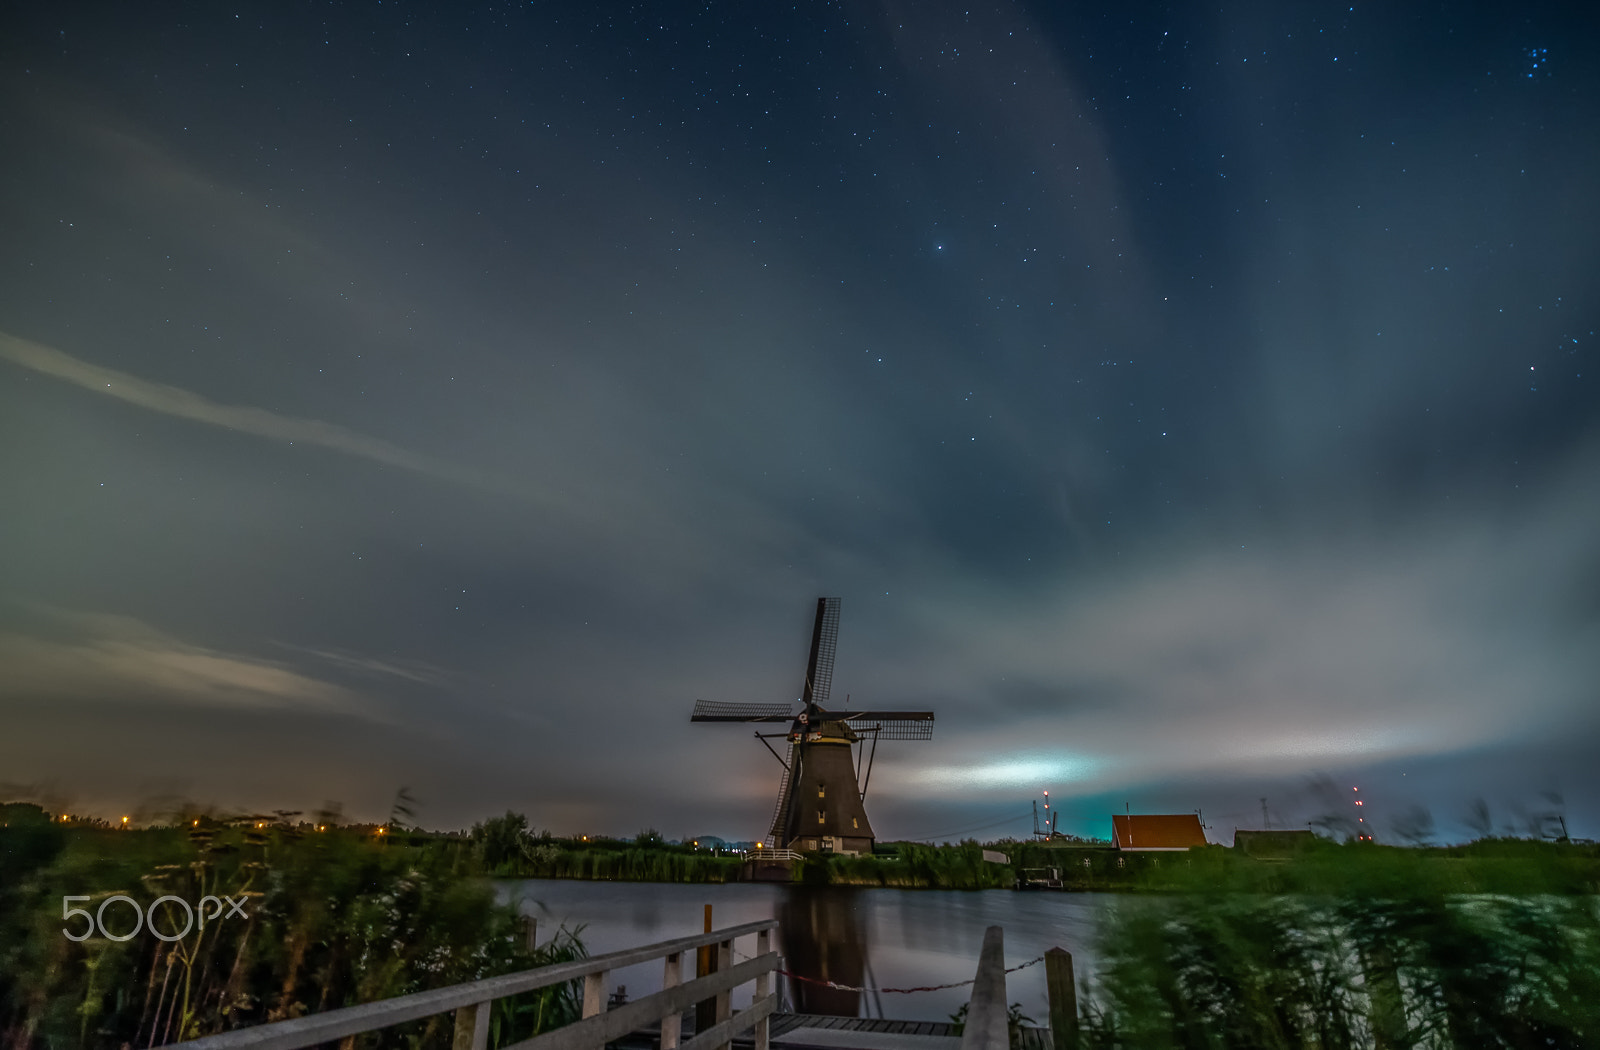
pixel 1434 638
pixel 186 404
pixel 106 658
pixel 372 667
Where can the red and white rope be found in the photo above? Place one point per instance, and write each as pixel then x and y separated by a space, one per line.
pixel 902 991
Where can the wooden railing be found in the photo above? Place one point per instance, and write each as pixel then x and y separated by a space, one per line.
pixel 772 854
pixel 471 1003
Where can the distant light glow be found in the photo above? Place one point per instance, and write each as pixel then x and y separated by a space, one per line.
pixel 1020 771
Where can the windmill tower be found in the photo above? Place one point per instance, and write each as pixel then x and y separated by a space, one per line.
pixel 820 797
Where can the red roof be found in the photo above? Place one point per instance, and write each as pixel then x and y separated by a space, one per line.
pixel 1164 831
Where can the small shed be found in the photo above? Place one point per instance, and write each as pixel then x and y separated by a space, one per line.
pixel 1153 832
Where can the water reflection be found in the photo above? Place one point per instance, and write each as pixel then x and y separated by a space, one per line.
pixel 858 937
pixel 823 936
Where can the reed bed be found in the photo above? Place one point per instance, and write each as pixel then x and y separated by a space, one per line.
pixel 333 918
pixel 1371 948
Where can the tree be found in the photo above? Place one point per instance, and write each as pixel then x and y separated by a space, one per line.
pixel 501 839
pixel 1336 820
pixel 1478 819
pixel 404 810
pixel 1414 826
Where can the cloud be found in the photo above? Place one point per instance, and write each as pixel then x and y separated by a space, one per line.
pixel 578 504
pixel 186 404
pixel 371 667
pixel 1436 637
pixel 113 658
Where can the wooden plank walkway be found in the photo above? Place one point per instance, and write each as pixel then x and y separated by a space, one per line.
pixel 1031 1037
pixel 782 1024
pixel 788 1025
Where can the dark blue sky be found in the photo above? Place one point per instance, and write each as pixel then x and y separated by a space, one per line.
pixel 1187 405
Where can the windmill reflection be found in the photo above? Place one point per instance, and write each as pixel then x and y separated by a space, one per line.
pixel 823 937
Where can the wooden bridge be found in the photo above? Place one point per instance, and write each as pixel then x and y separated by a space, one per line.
pixel 656 1022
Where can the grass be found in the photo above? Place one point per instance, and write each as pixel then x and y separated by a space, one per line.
pixel 333 918
pixel 1493 945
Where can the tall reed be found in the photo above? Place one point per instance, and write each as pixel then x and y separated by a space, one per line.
pixel 1358 947
pixel 333 918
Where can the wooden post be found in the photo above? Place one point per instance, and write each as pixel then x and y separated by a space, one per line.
pixel 725 999
pixel 594 990
pixel 763 989
pixel 1063 993
pixel 472 1028
pixel 672 1024
pixel 705 1011
pixel 530 932
pixel 986 1027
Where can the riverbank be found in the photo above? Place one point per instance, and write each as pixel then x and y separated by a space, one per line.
pixel 1318 866
pixel 1495 943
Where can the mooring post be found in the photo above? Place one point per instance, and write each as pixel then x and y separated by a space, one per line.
pixel 530 932
pixel 705 1011
pixel 672 1024
pixel 1063 993
pixel 986 1010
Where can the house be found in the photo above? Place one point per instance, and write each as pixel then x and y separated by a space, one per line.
pixel 1273 845
pixel 1152 832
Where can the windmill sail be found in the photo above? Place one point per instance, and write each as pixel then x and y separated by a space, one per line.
pixel 776 831
pixel 892 725
pixel 824 643
pixel 713 711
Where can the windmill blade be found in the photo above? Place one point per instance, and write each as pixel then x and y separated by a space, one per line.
pixel 884 716
pixel 893 725
pixel 780 814
pixel 824 642
pixel 896 730
pixel 712 711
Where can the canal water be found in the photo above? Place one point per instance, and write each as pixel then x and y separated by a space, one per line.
pixel 875 938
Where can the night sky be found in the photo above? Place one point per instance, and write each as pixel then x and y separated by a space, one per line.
pixel 1190 406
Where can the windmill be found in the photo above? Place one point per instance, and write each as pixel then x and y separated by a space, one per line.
pixel 820 797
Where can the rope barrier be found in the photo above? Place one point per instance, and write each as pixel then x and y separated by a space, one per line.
pixel 901 991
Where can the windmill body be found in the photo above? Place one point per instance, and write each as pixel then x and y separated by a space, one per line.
pixel 820 799
pixel 824 810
